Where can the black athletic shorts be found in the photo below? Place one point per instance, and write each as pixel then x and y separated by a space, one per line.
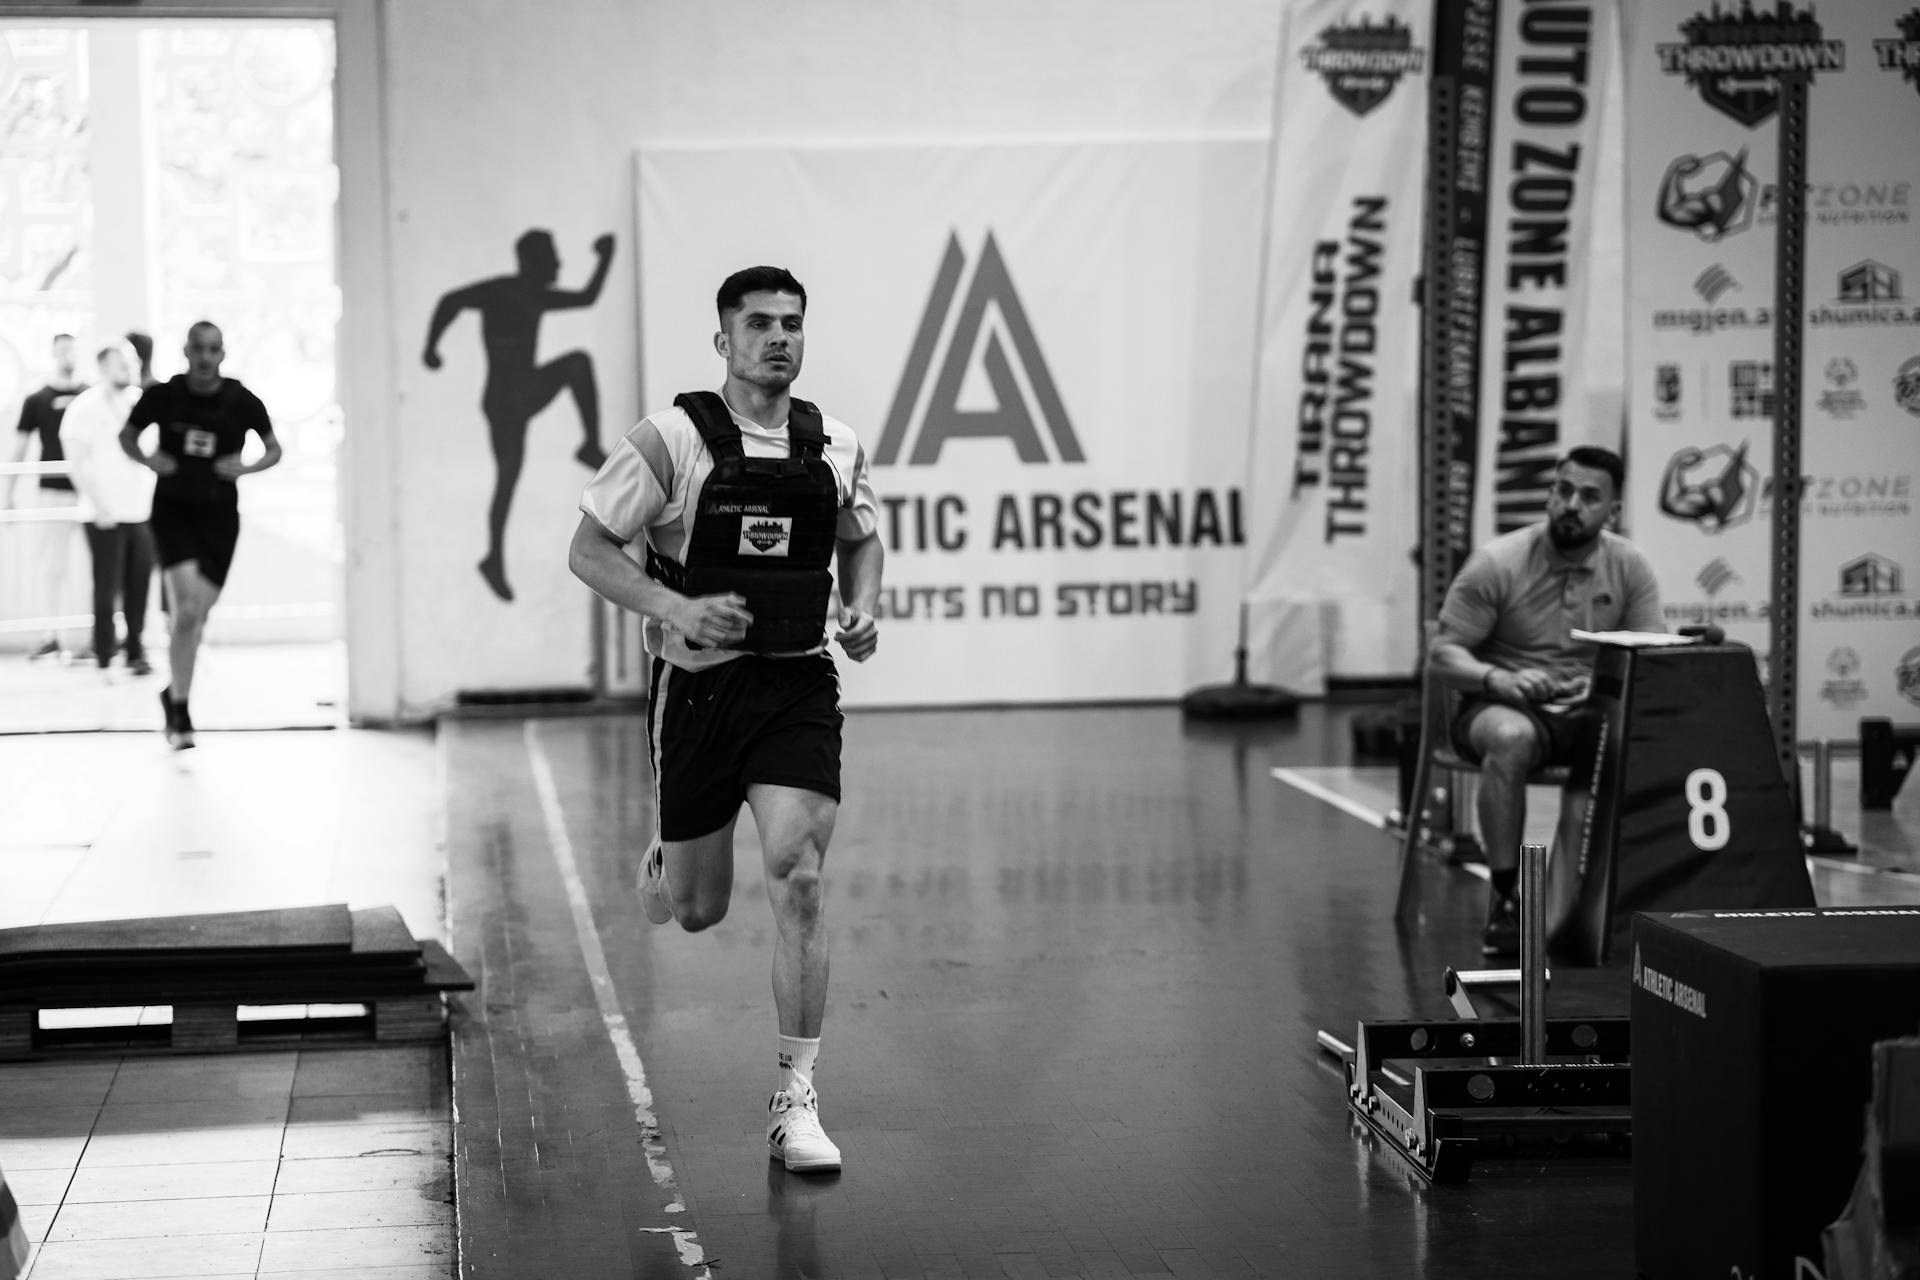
pixel 1565 730
pixel 202 531
pixel 714 732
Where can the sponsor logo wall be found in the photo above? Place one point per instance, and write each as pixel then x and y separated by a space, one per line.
pixel 1043 350
pixel 1703 104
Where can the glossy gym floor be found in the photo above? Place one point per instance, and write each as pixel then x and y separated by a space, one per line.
pixel 1080 957
pixel 1079 961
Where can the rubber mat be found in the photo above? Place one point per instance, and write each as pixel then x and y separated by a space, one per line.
pixel 313 961
pixel 313 929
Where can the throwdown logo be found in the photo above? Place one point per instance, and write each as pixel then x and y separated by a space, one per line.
pixel 1735 60
pixel 1011 418
pixel 767 536
pixel 1902 53
pixel 1363 61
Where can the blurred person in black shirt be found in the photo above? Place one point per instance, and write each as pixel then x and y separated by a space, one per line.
pixel 204 419
pixel 51 541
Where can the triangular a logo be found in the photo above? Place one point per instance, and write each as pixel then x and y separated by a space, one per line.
pixel 1012 417
pixel 1635 981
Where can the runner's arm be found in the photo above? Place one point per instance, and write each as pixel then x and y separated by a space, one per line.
pixel 598 558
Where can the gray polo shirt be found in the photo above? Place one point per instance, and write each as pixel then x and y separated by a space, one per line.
pixel 1515 600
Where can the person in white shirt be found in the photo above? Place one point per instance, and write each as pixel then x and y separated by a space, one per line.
pixel 742 501
pixel 116 495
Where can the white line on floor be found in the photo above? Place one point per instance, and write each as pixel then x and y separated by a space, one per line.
pixel 1372 817
pixel 608 999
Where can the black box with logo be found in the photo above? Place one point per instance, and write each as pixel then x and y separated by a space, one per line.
pixel 1752 1067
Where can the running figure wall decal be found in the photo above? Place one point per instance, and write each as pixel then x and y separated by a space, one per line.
pixel 516 389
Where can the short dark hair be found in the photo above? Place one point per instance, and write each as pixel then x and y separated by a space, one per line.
pixel 206 324
pixel 62 337
pixel 1592 455
pixel 735 288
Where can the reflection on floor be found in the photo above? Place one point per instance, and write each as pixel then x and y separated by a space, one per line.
pixel 309 1162
pixel 1884 869
pixel 236 686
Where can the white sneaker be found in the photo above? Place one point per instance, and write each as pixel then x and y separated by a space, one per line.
pixel 653 885
pixel 794 1135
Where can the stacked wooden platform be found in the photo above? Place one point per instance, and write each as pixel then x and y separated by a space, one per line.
pixel 364 966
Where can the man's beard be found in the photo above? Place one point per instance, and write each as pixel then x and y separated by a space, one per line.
pixel 1568 535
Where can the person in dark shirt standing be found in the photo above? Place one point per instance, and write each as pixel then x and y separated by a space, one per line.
pixel 40 416
pixel 204 419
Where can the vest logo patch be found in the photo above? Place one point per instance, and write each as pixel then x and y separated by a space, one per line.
pixel 767 536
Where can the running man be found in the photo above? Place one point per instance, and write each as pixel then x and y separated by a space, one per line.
pixel 204 419
pixel 510 308
pixel 745 500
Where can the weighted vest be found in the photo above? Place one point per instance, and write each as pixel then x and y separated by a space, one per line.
pixel 762 527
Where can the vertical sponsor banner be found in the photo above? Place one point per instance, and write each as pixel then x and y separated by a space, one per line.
pixel 1043 350
pixel 1539 378
pixel 1460 110
pixel 1860 411
pixel 1335 433
pixel 1702 101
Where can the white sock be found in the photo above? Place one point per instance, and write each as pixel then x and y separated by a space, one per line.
pixel 797 1056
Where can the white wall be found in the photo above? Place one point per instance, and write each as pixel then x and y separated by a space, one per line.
pixel 502 116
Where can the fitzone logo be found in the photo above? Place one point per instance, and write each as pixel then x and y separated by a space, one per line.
pixel 1714 488
pixel 1906 386
pixel 1901 54
pixel 1906 675
pixel 1362 62
pixel 1713 196
pixel 1025 405
pixel 1735 59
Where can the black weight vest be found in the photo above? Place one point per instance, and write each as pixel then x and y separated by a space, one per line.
pixel 762 527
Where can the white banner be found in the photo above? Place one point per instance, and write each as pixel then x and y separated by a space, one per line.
pixel 1336 435
pixel 1702 150
pixel 1043 349
pixel 1551 372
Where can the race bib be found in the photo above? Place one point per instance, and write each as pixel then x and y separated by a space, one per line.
pixel 198 443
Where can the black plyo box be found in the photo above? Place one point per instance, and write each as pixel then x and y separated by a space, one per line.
pixel 1752 1067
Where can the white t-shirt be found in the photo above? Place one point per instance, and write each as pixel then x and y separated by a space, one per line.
pixel 651 480
pixel 113 486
